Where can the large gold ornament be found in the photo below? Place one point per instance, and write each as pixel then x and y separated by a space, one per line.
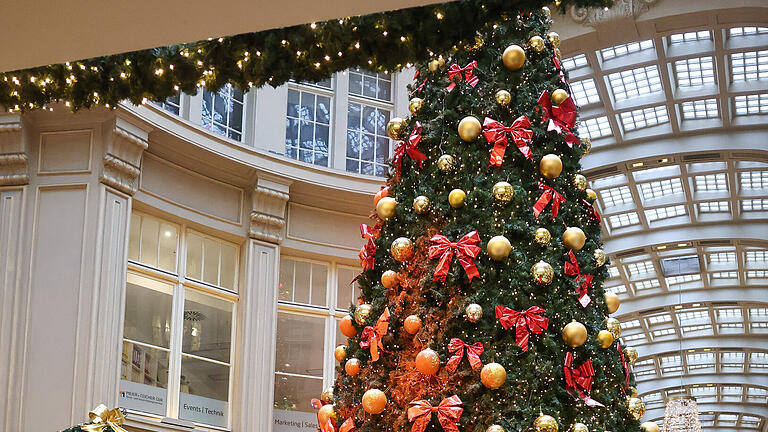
pixel 574 334
pixel 614 326
pixel 599 255
pixel 456 198
pixel 386 208
pixel 427 362
pixel 421 204
pixel 631 354
pixel 650 427
pixel 612 302
pixel 545 423
pixel 559 96
pixel 374 401
pixel 402 249
pixel 542 236
pixel 542 273
pixel 503 97
pixel 347 328
pixel 580 427
pixel 513 57
pixel 415 105
pixel 352 367
pixel 362 312
pixel 554 38
pixel 412 324
pixel 327 395
pixel 396 128
pixel 495 428
pixel 587 144
pixel 326 412
pixel 493 375
pixel 550 166
pixel 591 195
pixel 574 238
pixel 470 128
pixel 340 353
pixel 445 163
pixel 503 191
pixel 390 279
pixel 605 338
pixel 474 312
pixel 580 182
pixel 636 408
pixel 499 248
pixel 537 43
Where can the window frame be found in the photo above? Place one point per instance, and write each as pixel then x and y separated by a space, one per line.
pixel 227 127
pixel 316 90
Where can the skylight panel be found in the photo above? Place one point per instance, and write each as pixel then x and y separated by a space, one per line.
pixel 696 328
pixel 714 207
pixel 618 289
pixel 703 391
pixel 677 280
pixel 690 37
pixel 641 363
pixel 756 256
pixel 748 420
pixel 732 358
pixel 662 333
pixel 641 267
pixel 725 275
pixel 729 419
pixel 625 49
pixel 661 188
pixel 729 313
pixel 634 337
pixel 746 31
pixel 710 182
pixel 647 284
pixel 659 319
pixel 595 128
pixel 613 272
pixel 623 220
pixel 722 257
pixel 616 196
pixel 751 104
pixel 626 325
pixel 694 72
pixel 749 66
pixel 705 358
pixel 631 83
pixel 693 315
pixel 585 92
pixel 644 117
pixel 700 109
pixel 641 374
pixel 665 212
pixel 749 205
pixel 758 358
pixel 754 179
pixel 575 62
pixel 757 274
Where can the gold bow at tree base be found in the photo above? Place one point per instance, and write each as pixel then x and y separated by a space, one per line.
pixel 104 419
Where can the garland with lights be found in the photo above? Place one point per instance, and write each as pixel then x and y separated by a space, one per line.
pixel 312 52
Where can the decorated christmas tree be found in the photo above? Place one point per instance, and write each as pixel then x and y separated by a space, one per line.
pixel 482 305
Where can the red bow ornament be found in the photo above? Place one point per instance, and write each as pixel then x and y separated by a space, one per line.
pixel 409 148
pixel 561 117
pixel 371 336
pixel 368 251
pixel 329 426
pixel 548 195
pixel 579 380
pixel 465 73
pixel 347 426
pixel 624 364
pixel 496 133
pixel 559 68
pixel 457 347
pixel 466 249
pixel 448 414
pixel 592 214
pixel 571 268
pixel 525 322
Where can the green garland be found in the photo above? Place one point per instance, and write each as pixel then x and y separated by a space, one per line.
pixel 310 52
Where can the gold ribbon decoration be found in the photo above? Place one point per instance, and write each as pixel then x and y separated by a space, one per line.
pixel 103 417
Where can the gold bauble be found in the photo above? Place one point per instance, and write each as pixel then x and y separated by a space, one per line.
pixel 347 328
pixel 412 324
pixel 495 428
pixel 456 198
pixel 612 302
pixel 632 391
pixel 474 312
pixel 586 143
pixel 591 195
pixel 470 128
pixel 421 204
pixel 599 255
pixel 327 395
pixel 503 191
pixel 574 238
pixel 580 427
pixel 614 326
pixel 547 12
pixel 415 105
pixel 389 279
pixel 493 375
pixel 402 249
pixel 340 353
pixel 374 401
pixel 436 63
pixel 503 97
pixel 554 38
pixel 362 312
pixel 550 166
pixel 559 96
pixel 537 43
pixel 396 128
pixel 445 163
pixel 574 334
pixel 386 208
pixel 542 273
pixel 650 427
pixel 545 423
pixel 352 367
pixel 580 182
pixel 605 338
pixel 325 413
pixel 542 236
pixel 636 407
pixel 631 354
pixel 427 362
pixel 498 248
pixel 513 57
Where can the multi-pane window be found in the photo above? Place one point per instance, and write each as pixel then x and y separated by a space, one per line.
pixel 677 280
pixel 758 204
pixel 222 111
pixel 625 49
pixel 616 196
pixel 714 207
pixel 756 256
pixel 585 92
pixel 640 267
pixel 647 284
pixel 370 84
pixel 746 31
pixel 631 83
pixel 177 335
pixel 722 257
pixel 308 124
pixel 710 182
pixel 701 35
pixel 749 66
pixel 661 188
pixel 644 117
pixel 172 104
pixel 754 179
pixel 623 220
pixel 575 62
pixel 595 128
pixel 700 109
pixel 751 104
pixel 665 212
pixel 370 108
pixel 695 71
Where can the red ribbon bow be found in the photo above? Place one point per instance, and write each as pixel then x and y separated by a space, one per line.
pixel 592 214
pixel 585 281
pixel 579 379
pixel 347 426
pixel 371 336
pixel 448 414
pixel 462 72
pixel 457 347
pixel 368 251
pixel 561 117
pixel 496 133
pixel 559 68
pixel 466 249
pixel 329 426
pixel 624 364
pixel 526 322
pixel 409 148
pixel 548 195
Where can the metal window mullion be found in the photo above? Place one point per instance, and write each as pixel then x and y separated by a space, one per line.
pixel 177 334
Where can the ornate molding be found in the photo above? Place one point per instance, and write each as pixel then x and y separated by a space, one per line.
pixel 13 161
pixel 621 9
pixel 268 212
pixel 122 157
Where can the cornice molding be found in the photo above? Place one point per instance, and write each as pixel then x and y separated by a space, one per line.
pixel 621 9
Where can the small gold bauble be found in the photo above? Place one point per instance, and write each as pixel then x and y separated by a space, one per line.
pixel 542 273
pixel 545 423
pixel 542 236
pixel 498 248
pixel 559 96
pixel 632 391
pixel 631 354
pixel 503 97
pixel 456 198
pixel 386 208
pixel 580 182
pixel 614 326
pixel 550 166
pixel 503 191
pixel 433 65
pixel 396 128
pixel 427 362
pixel 415 105
pixel 547 12
pixel 470 128
pixel 591 195
pixel 389 279
pixel 412 324
pixel 445 163
pixel 327 395
pixel 352 367
pixel 474 312
pixel 402 249
pixel 495 428
pixel 636 408
pixel 599 255
pixel 605 338
pixel 421 204
pixel 513 57
pixel 325 413
pixel 558 54
pixel 374 401
pixel 650 427
pixel 537 43
pixel 493 375
pixel 554 38
pixel 362 312
pixel 580 427
pixel 574 238
pixel 574 334
pixel 340 353
pixel 612 302
pixel 586 143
